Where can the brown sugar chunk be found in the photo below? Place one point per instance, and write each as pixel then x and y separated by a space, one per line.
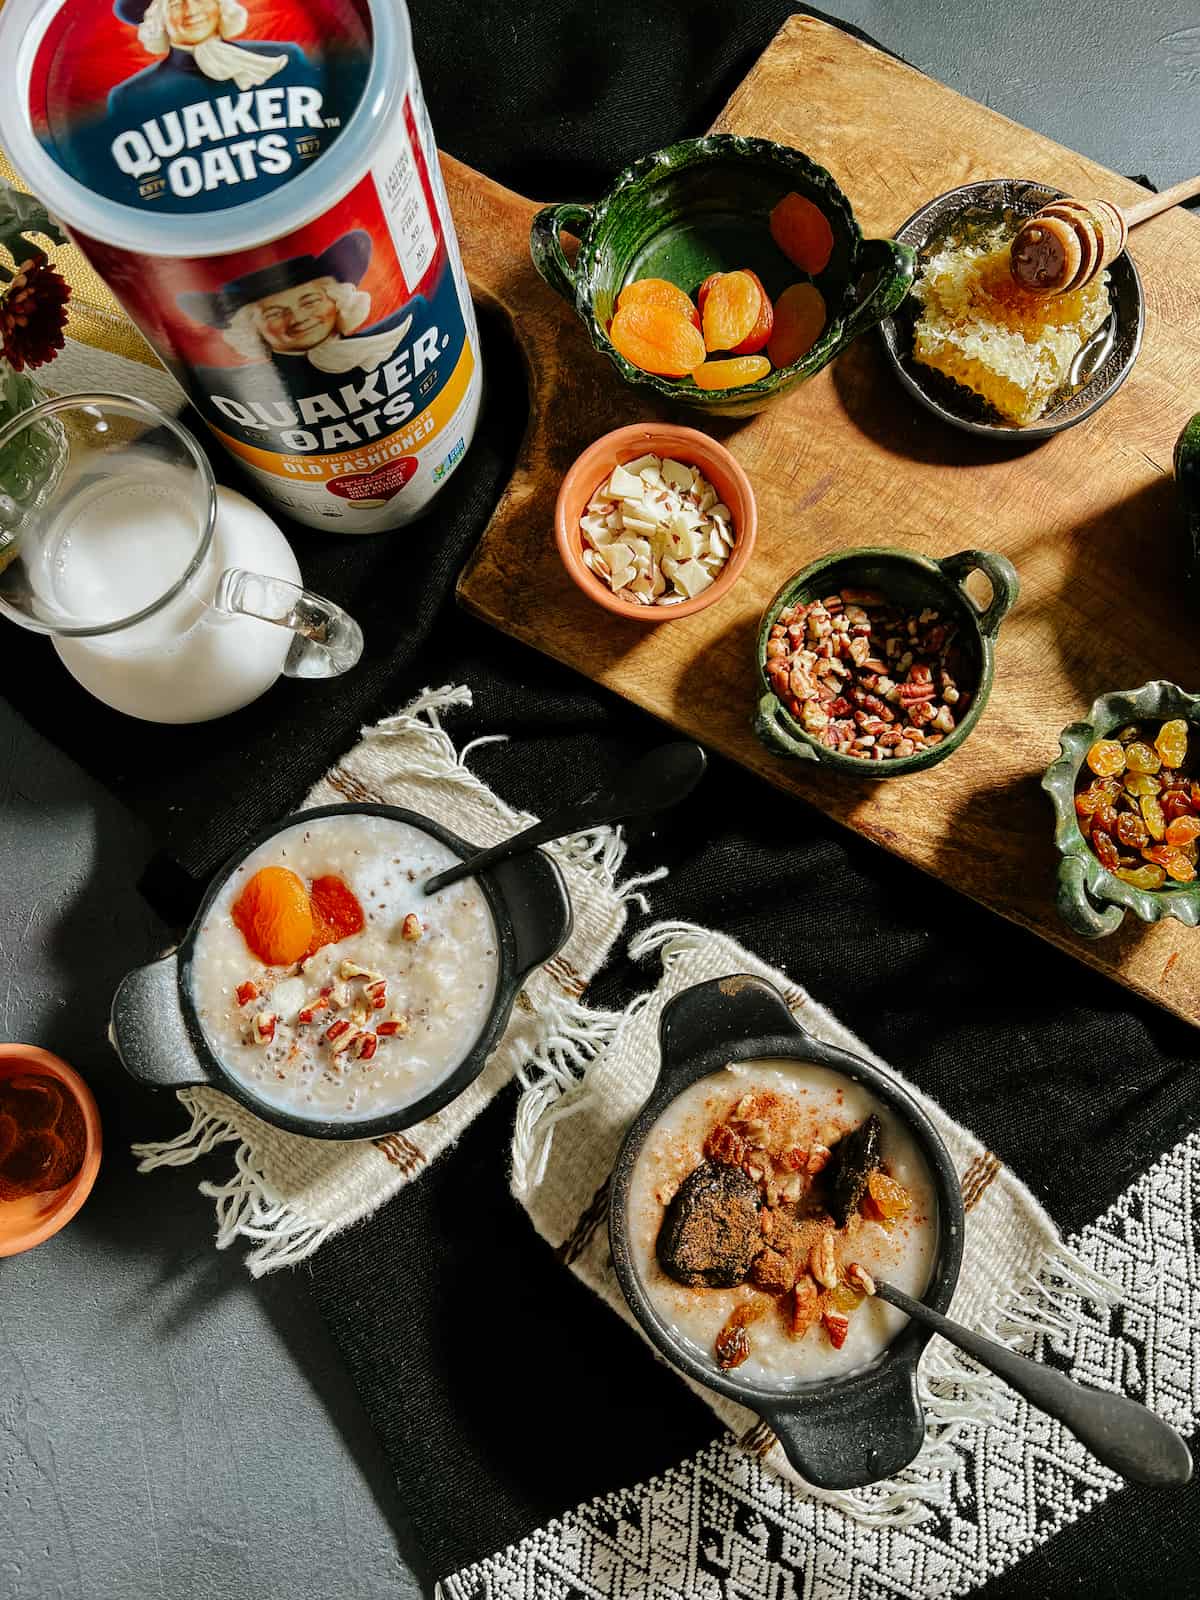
pixel 710 1234
pixel 773 1272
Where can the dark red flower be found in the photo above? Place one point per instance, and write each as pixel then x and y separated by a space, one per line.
pixel 33 314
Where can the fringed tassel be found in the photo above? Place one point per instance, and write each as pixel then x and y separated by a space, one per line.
pixel 206 1130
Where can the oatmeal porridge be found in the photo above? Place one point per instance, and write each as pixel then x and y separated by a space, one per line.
pixel 763 1202
pixel 328 984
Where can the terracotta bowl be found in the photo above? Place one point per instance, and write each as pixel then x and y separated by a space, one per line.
pixel 25 1223
pixel 693 448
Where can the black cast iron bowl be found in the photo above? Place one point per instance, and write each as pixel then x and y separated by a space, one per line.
pixel 1101 368
pixel 158 1036
pixel 838 1433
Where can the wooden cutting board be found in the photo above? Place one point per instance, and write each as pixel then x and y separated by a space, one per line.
pixel 1088 518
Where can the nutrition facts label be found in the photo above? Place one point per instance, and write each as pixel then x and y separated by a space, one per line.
pixel 403 197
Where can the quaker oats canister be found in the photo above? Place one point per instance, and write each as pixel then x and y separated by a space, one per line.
pixel 271 214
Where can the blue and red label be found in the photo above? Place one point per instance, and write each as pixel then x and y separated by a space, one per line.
pixel 196 105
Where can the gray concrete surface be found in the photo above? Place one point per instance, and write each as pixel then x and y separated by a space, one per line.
pixel 166 1426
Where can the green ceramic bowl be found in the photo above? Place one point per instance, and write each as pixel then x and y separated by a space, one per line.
pixel 1091 901
pixel 1187 483
pixel 913 581
pixel 701 206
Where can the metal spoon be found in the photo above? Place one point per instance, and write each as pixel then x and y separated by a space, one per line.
pixel 1118 1431
pixel 661 779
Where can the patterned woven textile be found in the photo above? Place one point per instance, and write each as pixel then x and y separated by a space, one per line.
pixel 288 1194
pixel 1113 1306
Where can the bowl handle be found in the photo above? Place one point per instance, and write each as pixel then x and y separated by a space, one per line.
pixel 719 1013
pixel 895 263
pixel 545 246
pixel 1002 575
pixel 539 908
pixel 857 1434
pixel 148 1030
pixel 1077 908
pixel 774 735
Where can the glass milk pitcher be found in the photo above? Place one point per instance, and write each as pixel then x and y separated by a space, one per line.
pixel 167 597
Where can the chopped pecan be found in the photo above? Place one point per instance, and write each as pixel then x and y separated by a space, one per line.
pixel 822 1261
pixel 805 1308
pixel 724 1144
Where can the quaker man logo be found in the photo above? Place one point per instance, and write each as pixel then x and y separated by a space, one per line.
pixel 294 323
pixel 202 28
pixel 307 308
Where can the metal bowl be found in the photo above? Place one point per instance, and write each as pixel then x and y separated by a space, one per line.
pixel 1101 366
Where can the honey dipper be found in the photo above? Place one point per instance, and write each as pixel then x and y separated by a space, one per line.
pixel 1069 241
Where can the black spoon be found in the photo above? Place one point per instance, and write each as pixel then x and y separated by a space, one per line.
pixel 661 779
pixel 1118 1431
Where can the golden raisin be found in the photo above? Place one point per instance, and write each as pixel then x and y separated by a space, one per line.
pixel 1140 758
pixel 891 1199
pixel 1106 757
pixel 1153 813
pixel 1145 877
pixel 1171 743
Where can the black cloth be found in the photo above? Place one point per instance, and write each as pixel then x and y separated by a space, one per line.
pixel 503 1392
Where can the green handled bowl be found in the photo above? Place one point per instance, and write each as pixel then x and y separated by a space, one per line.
pixel 702 206
pixel 915 582
pixel 1187 484
pixel 1091 901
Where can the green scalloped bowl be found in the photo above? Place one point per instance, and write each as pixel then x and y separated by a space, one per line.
pixel 1187 486
pixel 702 206
pixel 1091 901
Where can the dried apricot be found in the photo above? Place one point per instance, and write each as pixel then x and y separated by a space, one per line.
pixel 657 339
pixel 1147 877
pixel 659 292
pixel 760 333
pixel 802 232
pixel 1140 758
pixel 799 320
pixel 1171 743
pixel 731 374
pixel 702 291
pixel 336 912
pixel 731 312
pixel 1106 757
pixel 1183 829
pixel 274 916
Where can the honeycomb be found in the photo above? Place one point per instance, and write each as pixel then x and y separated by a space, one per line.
pixel 981 329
